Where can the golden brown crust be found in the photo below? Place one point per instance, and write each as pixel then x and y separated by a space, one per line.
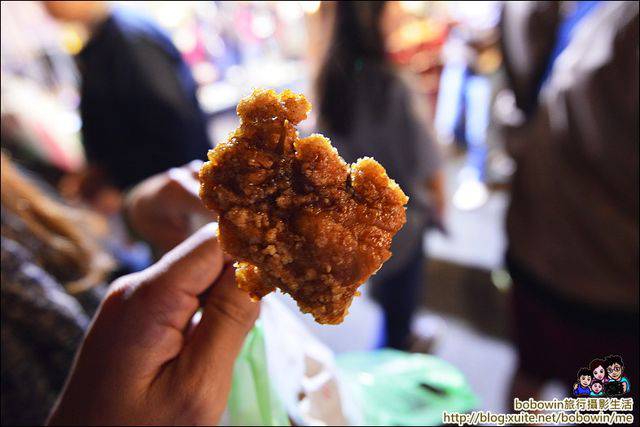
pixel 293 213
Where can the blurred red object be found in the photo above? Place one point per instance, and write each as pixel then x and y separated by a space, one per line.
pixel 418 45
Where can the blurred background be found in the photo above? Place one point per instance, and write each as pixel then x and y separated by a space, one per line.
pixel 452 53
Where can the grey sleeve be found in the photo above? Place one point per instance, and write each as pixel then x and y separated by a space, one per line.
pixel 426 150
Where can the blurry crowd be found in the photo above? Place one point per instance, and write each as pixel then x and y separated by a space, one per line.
pixel 554 83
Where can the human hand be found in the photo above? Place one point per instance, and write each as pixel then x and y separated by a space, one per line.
pixel 92 187
pixel 143 360
pixel 163 208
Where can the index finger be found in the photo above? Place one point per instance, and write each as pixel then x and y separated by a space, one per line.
pixel 166 294
pixel 153 307
pixel 192 266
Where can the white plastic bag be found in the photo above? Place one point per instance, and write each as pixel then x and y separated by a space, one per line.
pixel 302 370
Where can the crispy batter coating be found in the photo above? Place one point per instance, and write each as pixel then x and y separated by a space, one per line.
pixel 293 213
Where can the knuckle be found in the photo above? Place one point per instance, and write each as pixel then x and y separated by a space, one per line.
pixel 174 179
pixel 121 289
pixel 126 289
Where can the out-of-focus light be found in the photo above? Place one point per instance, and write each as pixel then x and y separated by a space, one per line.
pixel 414 7
pixel 205 72
pixel 310 7
pixel 366 379
pixel 217 96
pixel 68 122
pixel 172 14
pixel 289 10
pixel 169 14
pixel 185 40
pixel 501 280
pixel 263 26
pixel 235 75
pixel 73 38
pixel 479 15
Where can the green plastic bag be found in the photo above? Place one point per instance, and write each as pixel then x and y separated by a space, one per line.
pixel 397 388
pixel 252 400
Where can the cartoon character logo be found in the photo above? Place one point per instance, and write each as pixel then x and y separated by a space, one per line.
pixel 598 370
pixel 603 377
pixel 597 388
pixel 617 383
pixel 581 387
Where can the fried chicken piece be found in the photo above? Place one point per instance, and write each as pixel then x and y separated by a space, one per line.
pixel 293 213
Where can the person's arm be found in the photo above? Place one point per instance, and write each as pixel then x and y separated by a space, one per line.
pixel 165 209
pixel 144 362
pixel 426 150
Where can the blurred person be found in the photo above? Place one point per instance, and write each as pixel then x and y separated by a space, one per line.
pixel 464 96
pixel 140 114
pixel 368 109
pixel 53 270
pixel 570 121
pixel 145 361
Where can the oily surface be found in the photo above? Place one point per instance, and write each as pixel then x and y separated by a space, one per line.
pixel 293 213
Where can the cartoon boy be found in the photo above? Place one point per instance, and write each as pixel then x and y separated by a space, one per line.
pixel 596 389
pixel 581 388
pixel 615 368
pixel 598 370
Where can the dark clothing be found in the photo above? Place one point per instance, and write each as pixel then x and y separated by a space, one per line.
pixel 573 217
pixel 42 327
pixel 556 336
pixel 399 295
pixel 140 115
pixel 571 124
pixel 399 138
